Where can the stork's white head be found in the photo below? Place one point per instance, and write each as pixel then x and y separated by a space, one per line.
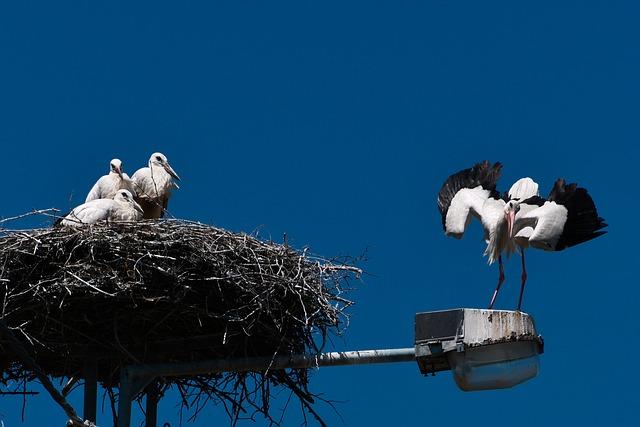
pixel 116 167
pixel 160 160
pixel 510 210
pixel 125 197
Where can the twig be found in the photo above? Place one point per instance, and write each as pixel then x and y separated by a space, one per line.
pixel 90 285
pixel 17 347
pixel 33 212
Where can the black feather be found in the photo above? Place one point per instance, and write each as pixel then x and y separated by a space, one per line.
pixel 534 200
pixel 583 222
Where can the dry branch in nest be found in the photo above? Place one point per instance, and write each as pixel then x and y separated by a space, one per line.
pixel 163 291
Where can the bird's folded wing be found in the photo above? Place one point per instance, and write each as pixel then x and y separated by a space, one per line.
pixel 89 213
pixel 94 193
pixel 547 222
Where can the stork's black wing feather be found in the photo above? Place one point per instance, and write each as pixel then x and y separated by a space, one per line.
pixel 481 174
pixel 534 200
pixel 583 222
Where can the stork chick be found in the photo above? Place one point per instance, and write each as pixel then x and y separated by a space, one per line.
pixel 153 185
pixel 121 208
pixel 107 185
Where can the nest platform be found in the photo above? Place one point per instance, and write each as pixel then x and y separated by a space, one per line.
pixel 164 291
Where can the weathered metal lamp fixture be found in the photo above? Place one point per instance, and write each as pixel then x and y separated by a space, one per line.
pixel 485 349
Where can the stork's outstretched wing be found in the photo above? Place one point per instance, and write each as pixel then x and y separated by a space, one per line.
pixel 463 194
pixel 567 218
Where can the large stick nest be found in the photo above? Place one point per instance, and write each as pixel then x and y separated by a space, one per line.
pixel 162 291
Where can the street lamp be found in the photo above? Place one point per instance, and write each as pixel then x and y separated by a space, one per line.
pixel 485 349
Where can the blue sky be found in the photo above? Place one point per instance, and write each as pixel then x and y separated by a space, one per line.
pixel 337 123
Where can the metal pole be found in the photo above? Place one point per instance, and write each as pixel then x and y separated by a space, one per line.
pixel 124 398
pixel 339 358
pixel 134 378
pixel 151 415
pixel 90 390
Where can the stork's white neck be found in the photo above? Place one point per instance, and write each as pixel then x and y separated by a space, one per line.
pixel 163 182
pixel 115 176
pixel 499 241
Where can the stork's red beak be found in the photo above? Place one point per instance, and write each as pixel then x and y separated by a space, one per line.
pixel 510 216
pixel 118 171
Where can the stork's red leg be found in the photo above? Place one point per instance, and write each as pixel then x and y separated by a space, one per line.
pixel 524 279
pixel 500 281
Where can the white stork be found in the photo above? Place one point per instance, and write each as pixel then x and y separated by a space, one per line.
pixel 107 186
pixel 121 208
pixel 154 184
pixel 519 217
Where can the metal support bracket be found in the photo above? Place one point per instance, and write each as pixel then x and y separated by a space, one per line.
pixel 90 373
pixel 132 382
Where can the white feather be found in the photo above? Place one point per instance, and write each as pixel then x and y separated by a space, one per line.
pixel 523 189
pixel 154 184
pixel 466 202
pixel 521 238
pixel 121 208
pixel 492 213
pixel 547 222
pixel 496 231
pixel 107 185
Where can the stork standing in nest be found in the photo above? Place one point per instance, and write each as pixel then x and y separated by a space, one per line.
pixel 107 186
pixel 153 185
pixel 520 218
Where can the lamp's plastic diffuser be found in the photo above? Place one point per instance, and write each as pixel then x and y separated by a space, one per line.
pixel 495 366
